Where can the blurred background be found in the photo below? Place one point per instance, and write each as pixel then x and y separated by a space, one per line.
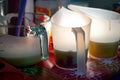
pixel 12 5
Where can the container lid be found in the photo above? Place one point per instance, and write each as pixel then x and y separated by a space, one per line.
pixel 68 18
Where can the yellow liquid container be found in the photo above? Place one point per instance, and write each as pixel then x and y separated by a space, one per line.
pixel 105 31
pixel 103 50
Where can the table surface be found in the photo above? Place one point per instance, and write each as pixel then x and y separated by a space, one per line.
pixel 96 70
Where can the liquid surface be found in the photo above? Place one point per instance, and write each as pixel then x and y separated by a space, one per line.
pixel 23 61
pixel 103 50
pixel 66 59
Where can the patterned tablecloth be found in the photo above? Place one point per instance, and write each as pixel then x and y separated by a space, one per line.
pixel 104 69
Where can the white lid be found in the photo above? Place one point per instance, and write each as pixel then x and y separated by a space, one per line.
pixel 67 18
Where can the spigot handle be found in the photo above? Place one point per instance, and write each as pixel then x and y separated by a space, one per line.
pixel 44 44
pixel 43 40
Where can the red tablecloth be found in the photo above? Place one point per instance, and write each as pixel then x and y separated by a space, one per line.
pixel 9 72
pixel 96 69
